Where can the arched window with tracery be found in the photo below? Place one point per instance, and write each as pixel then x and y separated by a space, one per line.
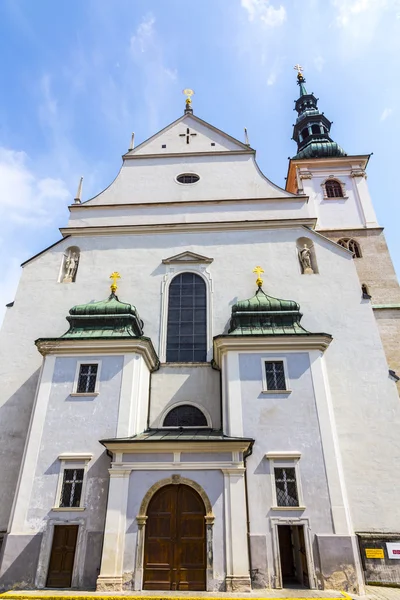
pixel 187 319
pixel 351 245
pixel 185 415
pixel 333 188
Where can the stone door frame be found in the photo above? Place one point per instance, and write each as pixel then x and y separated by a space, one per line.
pixel 45 553
pixel 275 522
pixel 142 518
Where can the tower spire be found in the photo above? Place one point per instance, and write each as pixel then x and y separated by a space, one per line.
pixel 312 129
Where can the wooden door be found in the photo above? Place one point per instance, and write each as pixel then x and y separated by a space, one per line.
pixel 175 541
pixel 303 557
pixel 62 556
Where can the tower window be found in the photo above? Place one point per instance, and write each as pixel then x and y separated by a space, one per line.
pixel 187 319
pixel 275 375
pixel 351 245
pixel 185 415
pixel 333 188
pixel 87 379
pixel 316 129
pixel 305 133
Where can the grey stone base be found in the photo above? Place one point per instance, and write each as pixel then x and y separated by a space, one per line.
pixel 237 584
pixel 109 584
pixel 337 564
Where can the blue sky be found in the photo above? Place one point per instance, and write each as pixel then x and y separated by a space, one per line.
pixel 78 76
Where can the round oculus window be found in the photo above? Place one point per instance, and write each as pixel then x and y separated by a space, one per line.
pixel 187 178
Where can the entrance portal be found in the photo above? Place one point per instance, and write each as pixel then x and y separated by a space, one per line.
pixel 175 540
pixel 293 556
pixel 62 556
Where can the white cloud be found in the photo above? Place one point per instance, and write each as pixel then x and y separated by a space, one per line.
pixel 386 113
pixel 271 79
pixel 25 197
pixel 144 35
pixel 263 11
pixel 347 9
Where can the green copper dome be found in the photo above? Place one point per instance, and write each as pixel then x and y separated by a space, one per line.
pixel 265 315
pixel 107 318
pixel 321 149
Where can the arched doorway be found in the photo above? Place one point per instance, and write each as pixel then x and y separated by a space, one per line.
pixel 175 540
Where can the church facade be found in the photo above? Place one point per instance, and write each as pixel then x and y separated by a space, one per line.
pixel 226 418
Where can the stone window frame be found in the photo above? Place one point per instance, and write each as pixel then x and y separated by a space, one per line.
pixel 72 461
pixel 341 183
pixel 185 403
pixel 79 363
pixel 265 389
pixel 288 460
pixel 177 269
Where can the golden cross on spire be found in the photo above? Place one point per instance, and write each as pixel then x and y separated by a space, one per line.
pixel 188 93
pixel 258 271
pixel 114 276
pixel 298 68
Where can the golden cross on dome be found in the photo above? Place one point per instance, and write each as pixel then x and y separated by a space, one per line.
pixel 299 69
pixel 258 271
pixel 114 276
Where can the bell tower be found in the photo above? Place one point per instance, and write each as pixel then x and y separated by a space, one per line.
pixel 336 185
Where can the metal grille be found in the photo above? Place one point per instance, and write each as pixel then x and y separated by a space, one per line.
pixel 187 316
pixel 72 487
pixel 286 488
pixel 185 416
pixel 333 189
pixel 188 178
pixel 87 379
pixel 275 375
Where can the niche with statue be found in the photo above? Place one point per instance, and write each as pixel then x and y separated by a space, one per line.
pixel 307 256
pixel 69 266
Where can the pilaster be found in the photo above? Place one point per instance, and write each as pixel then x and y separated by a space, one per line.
pixel 236 543
pixel 111 574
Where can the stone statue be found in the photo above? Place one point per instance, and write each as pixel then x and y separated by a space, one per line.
pixel 305 260
pixel 70 267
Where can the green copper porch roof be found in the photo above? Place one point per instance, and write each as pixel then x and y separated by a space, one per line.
pixel 266 315
pixel 107 318
pixel 180 434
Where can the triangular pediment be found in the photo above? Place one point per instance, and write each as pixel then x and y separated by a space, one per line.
pixel 188 135
pixel 187 257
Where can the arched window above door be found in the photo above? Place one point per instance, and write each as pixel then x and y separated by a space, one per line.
pixel 187 319
pixel 185 415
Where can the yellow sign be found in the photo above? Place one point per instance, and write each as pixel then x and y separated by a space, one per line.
pixel 374 553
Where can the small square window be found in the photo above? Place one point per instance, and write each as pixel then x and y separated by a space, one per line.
pixel 275 375
pixel 71 490
pixel 163 145
pixel 286 486
pixel 212 143
pixel 87 378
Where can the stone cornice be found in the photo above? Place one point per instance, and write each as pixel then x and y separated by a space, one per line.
pixel 86 205
pixel 80 346
pixel 272 343
pixel 188 227
pixel 130 446
pixel 185 154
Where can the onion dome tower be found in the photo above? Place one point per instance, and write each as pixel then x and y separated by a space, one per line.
pixel 311 130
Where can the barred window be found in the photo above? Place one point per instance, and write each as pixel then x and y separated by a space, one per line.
pixel 286 486
pixel 71 490
pixel 187 319
pixel 185 416
pixel 87 378
pixel 188 178
pixel 275 375
pixel 333 188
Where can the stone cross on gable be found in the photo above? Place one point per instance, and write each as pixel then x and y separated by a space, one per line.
pixel 188 135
